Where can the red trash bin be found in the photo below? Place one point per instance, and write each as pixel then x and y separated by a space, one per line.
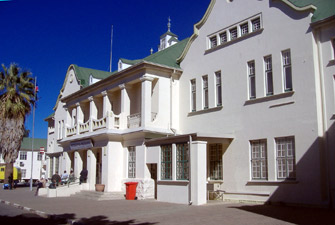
pixel 131 190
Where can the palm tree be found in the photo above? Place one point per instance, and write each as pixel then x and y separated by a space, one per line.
pixel 16 98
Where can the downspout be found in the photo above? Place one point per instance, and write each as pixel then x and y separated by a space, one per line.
pixel 189 172
pixel 324 138
pixel 170 123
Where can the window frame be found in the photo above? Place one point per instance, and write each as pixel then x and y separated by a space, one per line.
pixel 268 72
pixel 252 79
pixel 205 94
pixel 244 31
pixel 193 84
pixel 232 32
pixel 215 162
pixel 182 161
pixel 287 67
pixel 23 155
pixel 258 160
pixel 285 162
pixel 213 41
pixel 39 156
pixel 166 162
pixel 131 162
pixel 256 24
pixel 218 89
pixel 223 37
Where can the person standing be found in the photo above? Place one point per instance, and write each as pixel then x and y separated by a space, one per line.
pixel 83 176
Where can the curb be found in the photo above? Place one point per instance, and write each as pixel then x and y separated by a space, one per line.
pixel 37 212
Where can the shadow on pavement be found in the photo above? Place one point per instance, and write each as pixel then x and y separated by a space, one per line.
pixel 296 215
pixel 33 219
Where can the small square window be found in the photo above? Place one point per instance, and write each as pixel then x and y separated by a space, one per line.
pixel 223 37
pixel 256 24
pixel 233 33
pixel 213 42
pixel 244 29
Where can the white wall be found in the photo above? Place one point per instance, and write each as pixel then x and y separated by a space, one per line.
pixel 291 114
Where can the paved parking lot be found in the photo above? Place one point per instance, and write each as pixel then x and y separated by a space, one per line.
pixel 81 211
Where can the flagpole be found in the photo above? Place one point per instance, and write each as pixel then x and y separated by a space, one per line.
pixel 32 141
pixel 110 61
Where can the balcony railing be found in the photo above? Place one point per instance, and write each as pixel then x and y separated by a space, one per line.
pixel 71 130
pixel 100 123
pixel 110 121
pixel 134 120
pixel 84 127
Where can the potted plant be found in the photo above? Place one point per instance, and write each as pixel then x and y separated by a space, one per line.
pixel 99 187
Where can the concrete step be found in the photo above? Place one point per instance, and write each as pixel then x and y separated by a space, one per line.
pixel 99 196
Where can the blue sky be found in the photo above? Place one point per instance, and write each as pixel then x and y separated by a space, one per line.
pixel 46 36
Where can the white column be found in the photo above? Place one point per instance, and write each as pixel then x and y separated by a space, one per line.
pixel 198 172
pixel 93 112
pixel 142 170
pixel 174 162
pixel 80 116
pixel 106 105
pixel 125 106
pixel 66 163
pixel 112 166
pixel 91 168
pixel 146 100
pixel 78 164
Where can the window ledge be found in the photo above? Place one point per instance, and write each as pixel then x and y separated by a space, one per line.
pixel 173 182
pixel 215 182
pixel 272 183
pixel 218 108
pixel 269 98
pixel 234 41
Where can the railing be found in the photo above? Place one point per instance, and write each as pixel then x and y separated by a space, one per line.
pixel 84 127
pixel 134 120
pixel 71 130
pixel 100 123
pixel 116 121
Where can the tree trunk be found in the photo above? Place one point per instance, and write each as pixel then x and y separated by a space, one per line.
pixel 9 171
pixel 10 142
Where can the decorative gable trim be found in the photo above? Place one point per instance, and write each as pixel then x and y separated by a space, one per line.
pixel 196 28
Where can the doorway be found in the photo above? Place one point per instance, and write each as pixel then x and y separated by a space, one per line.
pixel 153 171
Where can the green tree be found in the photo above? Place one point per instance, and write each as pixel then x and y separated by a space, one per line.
pixel 16 99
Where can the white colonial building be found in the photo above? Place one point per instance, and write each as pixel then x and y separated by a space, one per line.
pixel 244 108
pixel 31 163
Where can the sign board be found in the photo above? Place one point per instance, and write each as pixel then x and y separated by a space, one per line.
pixel 82 144
pixel 42 150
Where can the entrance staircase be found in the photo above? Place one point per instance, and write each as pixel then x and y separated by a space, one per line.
pixel 100 196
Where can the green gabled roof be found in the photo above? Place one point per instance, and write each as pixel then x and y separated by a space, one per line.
pixel 38 142
pixel 168 56
pixel 168 33
pixel 324 8
pixel 83 74
pixel 130 62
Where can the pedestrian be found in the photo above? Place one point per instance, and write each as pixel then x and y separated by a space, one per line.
pixel 41 184
pixel 83 176
pixel 64 178
pixel 55 179
pixel 71 176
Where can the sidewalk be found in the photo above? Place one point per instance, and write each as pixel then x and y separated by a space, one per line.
pixel 154 212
